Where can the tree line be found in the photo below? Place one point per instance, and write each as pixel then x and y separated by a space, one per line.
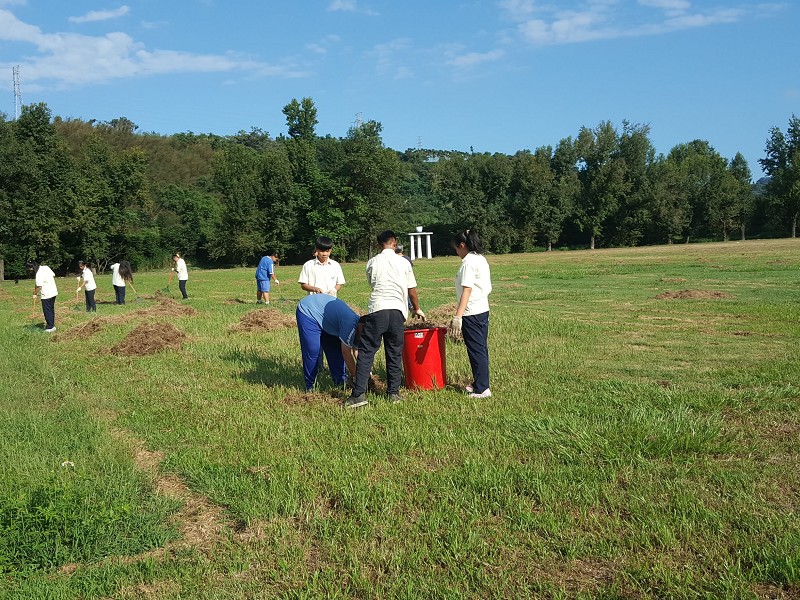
pixel 102 191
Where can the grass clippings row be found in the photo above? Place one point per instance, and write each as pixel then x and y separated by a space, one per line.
pixel 694 295
pixel 264 319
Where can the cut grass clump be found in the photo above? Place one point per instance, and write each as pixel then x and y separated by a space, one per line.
pixel 149 338
pixel 264 319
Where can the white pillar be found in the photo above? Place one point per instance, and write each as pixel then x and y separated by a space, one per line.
pixel 428 244
pixel 411 243
pixel 419 246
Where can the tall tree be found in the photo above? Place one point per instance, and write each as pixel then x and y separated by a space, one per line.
pixel 602 177
pixel 782 164
pixel 699 174
pixel 744 200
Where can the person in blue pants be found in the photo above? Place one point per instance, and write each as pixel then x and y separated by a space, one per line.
pixel 328 326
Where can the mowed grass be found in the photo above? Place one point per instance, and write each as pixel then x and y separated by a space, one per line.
pixel 635 446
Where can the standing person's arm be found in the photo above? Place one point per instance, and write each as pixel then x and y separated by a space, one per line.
pixel 339 280
pixel 466 292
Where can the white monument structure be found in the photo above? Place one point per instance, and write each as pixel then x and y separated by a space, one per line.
pixel 416 243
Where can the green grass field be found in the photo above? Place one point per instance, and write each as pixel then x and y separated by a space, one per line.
pixel 638 445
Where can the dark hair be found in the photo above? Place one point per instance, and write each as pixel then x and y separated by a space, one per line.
pixel 470 239
pixel 83 263
pixel 176 254
pixel 323 243
pixel 125 271
pixel 31 266
pixel 384 237
pixel 399 249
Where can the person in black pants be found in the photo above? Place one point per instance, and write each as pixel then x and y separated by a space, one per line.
pixel 393 284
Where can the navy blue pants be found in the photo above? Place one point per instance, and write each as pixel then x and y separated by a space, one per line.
pixel 313 343
pixel 119 292
pixel 49 310
pixel 91 305
pixel 475 329
pixel 182 288
pixel 386 325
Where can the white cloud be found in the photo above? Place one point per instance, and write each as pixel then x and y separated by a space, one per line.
pixel 470 59
pixel 101 15
pixel 323 45
pixel 518 10
pixel 609 19
pixel 344 5
pixel 389 58
pixel 67 59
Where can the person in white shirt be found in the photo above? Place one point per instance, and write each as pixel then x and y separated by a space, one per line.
pixel 473 286
pixel 89 286
pixel 322 274
pixel 45 288
pixel 182 272
pixel 393 284
pixel 120 273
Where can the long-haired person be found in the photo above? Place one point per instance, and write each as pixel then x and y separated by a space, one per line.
pixel 473 286
pixel 121 273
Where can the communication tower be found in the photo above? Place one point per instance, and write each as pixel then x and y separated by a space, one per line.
pixel 17 93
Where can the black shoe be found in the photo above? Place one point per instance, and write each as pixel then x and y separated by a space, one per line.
pixel 356 401
pixel 394 398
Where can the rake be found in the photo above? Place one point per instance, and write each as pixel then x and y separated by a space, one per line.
pixel 138 297
pixel 166 290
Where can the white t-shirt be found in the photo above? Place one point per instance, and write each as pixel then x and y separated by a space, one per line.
pixel 46 279
pixel 88 277
pixel 390 276
pixel 181 270
pixel 326 276
pixel 474 273
pixel 116 278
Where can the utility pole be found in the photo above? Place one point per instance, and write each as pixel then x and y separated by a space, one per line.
pixel 17 93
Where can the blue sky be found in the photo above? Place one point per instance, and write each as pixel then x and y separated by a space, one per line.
pixel 492 75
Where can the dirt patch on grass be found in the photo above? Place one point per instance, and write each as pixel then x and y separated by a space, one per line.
pixel 149 338
pixel 264 319
pixel 235 301
pixel 309 398
pixel 200 522
pixel 376 385
pixel 694 295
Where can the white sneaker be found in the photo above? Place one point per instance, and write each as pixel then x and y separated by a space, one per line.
pixel 487 393
pixel 51 330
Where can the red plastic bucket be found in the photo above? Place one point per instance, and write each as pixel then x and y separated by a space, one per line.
pixel 424 358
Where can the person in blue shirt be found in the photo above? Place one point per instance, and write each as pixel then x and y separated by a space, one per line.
pixel 327 325
pixel 264 273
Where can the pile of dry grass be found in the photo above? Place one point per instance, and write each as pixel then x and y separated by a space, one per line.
pixel 81 332
pixel 264 319
pixel 437 317
pixel 166 307
pixel 694 295
pixel 149 338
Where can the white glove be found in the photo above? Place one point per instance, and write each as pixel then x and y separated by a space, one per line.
pixel 455 327
pixel 419 313
pixel 78 290
pixel 277 282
